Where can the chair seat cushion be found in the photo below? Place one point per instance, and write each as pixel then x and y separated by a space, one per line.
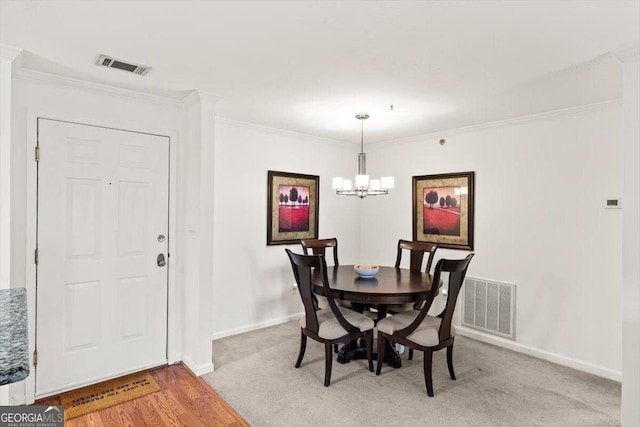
pixel 426 334
pixel 330 328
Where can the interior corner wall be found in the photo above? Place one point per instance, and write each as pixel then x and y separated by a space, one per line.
pixel 197 256
pixel 253 281
pixel 540 222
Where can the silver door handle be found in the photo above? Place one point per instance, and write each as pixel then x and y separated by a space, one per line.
pixel 161 261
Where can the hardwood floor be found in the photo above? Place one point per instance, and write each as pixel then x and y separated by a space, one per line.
pixel 184 400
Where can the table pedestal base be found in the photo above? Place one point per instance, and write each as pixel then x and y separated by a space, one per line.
pixel 357 350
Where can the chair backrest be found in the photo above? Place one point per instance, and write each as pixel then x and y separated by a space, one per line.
pixel 319 247
pixel 417 251
pixel 457 269
pixel 310 269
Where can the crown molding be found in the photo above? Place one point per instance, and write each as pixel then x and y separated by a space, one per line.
pixel 199 96
pixel 284 133
pixel 9 53
pixel 598 106
pixel 209 97
pixel 35 76
pixel 628 55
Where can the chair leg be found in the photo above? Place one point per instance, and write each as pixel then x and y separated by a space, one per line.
pixel 410 354
pixel 369 339
pixel 450 361
pixel 427 372
pixel 303 346
pixel 328 358
pixel 380 353
pixel 335 348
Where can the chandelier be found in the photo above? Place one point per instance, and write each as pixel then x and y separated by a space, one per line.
pixel 363 186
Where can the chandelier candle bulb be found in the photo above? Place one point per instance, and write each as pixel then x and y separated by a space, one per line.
pixel 362 181
pixel 337 183
pixel 387 182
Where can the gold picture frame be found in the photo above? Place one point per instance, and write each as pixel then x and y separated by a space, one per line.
pixel 289 221
pixel 443 209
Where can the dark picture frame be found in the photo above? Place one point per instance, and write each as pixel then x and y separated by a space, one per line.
pixel 443 209
pixel 290 221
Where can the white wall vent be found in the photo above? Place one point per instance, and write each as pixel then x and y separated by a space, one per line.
pixel 107 61
pixel 489 306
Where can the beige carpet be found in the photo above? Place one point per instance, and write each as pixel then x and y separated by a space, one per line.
pixel 495 387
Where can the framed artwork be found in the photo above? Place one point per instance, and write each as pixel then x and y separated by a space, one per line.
pixel 443 209
pixel 292 207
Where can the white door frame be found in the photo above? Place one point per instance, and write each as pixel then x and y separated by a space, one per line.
pixel 173 346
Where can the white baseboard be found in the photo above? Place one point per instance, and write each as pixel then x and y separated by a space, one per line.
pixel 198 370
pixel 12 395
pixel 17 400
pixel 541 354
pixel 255 326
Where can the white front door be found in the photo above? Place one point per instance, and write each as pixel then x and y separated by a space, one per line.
pixel 103 214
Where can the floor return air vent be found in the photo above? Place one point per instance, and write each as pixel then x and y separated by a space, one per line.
pixel 489 306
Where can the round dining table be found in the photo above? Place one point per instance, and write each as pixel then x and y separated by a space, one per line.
pixel 390 286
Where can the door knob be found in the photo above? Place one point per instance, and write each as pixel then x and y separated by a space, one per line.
pixel 161 261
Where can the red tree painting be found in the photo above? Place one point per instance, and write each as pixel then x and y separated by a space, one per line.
pixel 293 209
pixel 441 211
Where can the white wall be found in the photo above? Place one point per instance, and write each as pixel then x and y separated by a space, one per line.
pixel 197 257
pixel 631 240
pixel 253 281
pixel 540 222
pixel 8 56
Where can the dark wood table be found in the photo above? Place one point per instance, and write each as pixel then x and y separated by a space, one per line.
pixel 390 286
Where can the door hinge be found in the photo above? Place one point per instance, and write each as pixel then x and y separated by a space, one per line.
pixel 35 256
pixel 37 153
pixel 35 357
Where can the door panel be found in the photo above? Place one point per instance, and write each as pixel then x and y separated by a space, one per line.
pixel 102 298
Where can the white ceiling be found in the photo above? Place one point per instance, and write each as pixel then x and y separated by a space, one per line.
pixel 310 66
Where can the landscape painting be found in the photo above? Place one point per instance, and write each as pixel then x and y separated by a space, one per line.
pixel 292 207
pixel 443 209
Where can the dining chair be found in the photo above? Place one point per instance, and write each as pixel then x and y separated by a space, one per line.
pixel 417 250
pixel 320 247
pixel 418 330
pixel 332 325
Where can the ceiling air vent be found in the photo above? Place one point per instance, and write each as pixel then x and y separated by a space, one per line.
pixel 107 61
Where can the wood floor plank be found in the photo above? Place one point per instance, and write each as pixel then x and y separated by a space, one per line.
pixel 184 400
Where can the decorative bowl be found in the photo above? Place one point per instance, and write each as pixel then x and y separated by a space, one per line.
pixel 366 270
